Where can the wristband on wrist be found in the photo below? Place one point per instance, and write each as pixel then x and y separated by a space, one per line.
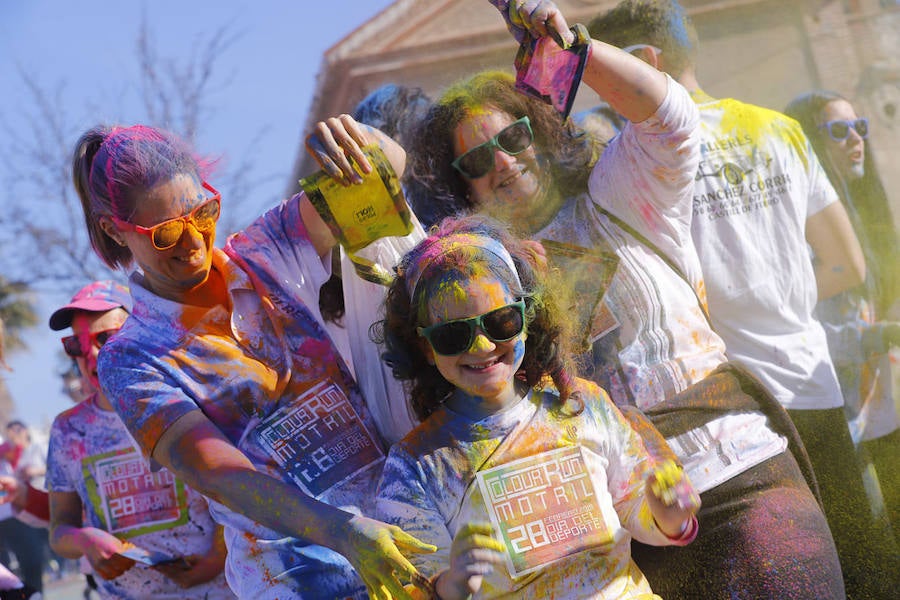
pixel 689 531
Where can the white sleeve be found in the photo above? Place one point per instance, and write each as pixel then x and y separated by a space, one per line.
pixel 646 175
pixel 821 192
pixel 364 305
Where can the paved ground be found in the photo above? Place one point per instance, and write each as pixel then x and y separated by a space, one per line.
pixel 70 587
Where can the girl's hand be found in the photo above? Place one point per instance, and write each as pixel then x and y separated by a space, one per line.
pixel 473 555
pixel 102 550
pixel 333 140
pixel 672 498
pixel 374 549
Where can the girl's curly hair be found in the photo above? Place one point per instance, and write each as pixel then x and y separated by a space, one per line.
pixel 547 351
pixel 565 150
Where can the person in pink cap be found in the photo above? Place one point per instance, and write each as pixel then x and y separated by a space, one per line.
pixel 227 374
pixel 99 296
pixel 108 502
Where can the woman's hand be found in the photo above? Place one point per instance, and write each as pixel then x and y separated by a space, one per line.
pixel 336 140
pixel 333 140
pixel 672 498
pixel 102 549
pixel 195 569
pixel 473 555
pixel 537 18
pixel 192 570
pixel 374 549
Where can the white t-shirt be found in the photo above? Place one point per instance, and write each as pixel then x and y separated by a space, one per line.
pixel 757 184
pixel 429 488
pixel 660 339
pixel 364 305
pixel 644 177
pixel 93 455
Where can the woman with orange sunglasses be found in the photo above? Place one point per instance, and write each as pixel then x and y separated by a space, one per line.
pixel 106 500
pixel 225 373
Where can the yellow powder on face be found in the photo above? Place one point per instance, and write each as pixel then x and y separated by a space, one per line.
pixel 456 292
pixel 447 293
pixel 451 290
pixel 481 343
pixel 474 122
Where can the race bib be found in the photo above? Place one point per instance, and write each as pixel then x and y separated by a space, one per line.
pixel 319 440
pixel 132 499
pixel 545 508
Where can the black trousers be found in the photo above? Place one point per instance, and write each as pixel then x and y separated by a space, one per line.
pixel 867 551
pixel 762 534
pixel 27 544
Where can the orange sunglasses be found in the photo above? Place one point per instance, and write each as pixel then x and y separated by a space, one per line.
pixel 166 234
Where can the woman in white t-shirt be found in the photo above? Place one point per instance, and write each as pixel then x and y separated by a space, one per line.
pixel 485 147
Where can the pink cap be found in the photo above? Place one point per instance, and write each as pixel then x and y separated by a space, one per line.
pixel 99 296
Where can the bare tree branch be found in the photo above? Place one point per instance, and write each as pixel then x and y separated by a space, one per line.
pixel 176 93
pixel 42 216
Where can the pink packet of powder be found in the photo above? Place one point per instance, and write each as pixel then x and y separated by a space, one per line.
pixel 551 73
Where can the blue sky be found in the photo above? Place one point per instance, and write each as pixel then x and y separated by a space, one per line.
pixel 86 51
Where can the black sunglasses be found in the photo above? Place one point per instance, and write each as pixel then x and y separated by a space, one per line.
pixel 72 345
pixel 479 161
pixel 839 130
pixel 455 337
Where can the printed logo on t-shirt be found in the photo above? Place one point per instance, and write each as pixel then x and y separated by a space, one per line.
pixel 132 499
pixel 736 178
pixel 319 439
pixel 545 508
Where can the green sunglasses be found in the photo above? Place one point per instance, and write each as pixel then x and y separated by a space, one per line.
pixel 479 161
pixel 455 337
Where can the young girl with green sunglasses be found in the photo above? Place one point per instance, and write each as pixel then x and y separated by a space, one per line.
pixel 515 461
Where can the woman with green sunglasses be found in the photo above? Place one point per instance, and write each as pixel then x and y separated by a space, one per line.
pixel 622 224
pixel 485 147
